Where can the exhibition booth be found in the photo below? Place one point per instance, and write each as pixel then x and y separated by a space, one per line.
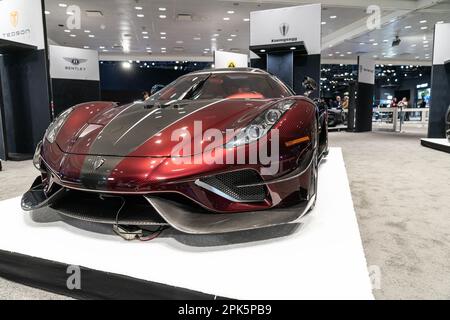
pixel 108 137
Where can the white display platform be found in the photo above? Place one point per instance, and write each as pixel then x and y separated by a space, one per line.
pixel 322 259
pixel 438 144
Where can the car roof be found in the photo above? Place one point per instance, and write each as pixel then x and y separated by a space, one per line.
pixel 231 70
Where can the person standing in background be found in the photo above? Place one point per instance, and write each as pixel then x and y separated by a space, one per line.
pixel 145 95
pixel 404 105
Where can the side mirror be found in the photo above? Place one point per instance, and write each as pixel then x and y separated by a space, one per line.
pixel 309 84
pixel 156 88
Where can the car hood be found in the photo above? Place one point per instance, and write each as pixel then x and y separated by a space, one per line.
pixel 142 130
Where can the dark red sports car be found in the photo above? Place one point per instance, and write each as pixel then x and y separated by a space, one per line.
pixel 214 151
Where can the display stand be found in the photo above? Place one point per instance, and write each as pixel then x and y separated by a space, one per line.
pixel 437 144
pixel 322 258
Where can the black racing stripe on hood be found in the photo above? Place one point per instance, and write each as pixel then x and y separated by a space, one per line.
pixel 96 170
pixel 133 127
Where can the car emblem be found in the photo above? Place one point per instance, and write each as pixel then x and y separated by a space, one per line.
pixel 14 18
pixel 284 29
pixel 75 61
pixel 98 163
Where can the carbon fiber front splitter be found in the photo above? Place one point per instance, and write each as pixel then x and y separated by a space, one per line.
pixel 159 211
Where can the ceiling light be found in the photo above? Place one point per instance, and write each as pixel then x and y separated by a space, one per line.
pixel 362 43
pixel 197 38
pixel 226 18
pixel 425 46
pixel 162 33
pixel 233 35
pixel 213 39
pixel 145 37
pixel 144 32
pixel 330 54
pixel 423 28
pixel 91 36
pixel 162 9
pixel 413 45
pixel 215 35
pixel 349 52
pixel 87 31
pixel 67 30
pixel 230 12
pixel 140 15
pixel 162 38
pixel 229 39
pixel 407 27
pixel 425 41
pixel 162 16
pixel 86 47
pixel 439 22
pixel 163 49
pixel 126 65
pixel 246 19
pixel 148 48
pixel 47 12
pixel 73 35
pixel 323 22
pixel 333 17
pixel 138 8
pixel 62 5
pixel 423 21
pixel 180 42
pixel 262 50
pixel 375 43
pixel 292 48
pixel 101 47
pixel 69 13
pixel 385 40
pixel 371 40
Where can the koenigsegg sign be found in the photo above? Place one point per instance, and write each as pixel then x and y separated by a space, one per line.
pixel 73 63
pixel 291 24
pixel 21 21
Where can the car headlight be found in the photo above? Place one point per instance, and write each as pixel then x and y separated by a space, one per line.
pixel 261 124
pixel 53 128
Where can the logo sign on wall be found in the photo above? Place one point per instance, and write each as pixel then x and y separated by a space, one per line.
pixel 366 70
pixel 287 25
pixel 223 59
pixel 21 21
pixel 73 63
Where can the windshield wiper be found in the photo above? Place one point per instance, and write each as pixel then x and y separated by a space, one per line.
pixel 195 88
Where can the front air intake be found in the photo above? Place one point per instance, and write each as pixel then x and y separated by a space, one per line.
pixel 227 185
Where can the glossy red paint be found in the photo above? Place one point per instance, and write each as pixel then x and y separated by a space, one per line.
pixel 150 169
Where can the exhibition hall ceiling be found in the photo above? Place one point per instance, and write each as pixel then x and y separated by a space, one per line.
pixel 193 29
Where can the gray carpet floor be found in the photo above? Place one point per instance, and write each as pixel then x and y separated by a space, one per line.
pixel 401 193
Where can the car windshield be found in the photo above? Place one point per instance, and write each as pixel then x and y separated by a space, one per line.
pixel 232 85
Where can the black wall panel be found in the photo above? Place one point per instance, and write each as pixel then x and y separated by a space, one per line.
pixel 126 85
pixel 364 105
pixel 281 64
pixel 25 99
pixel 440 100
pixel 306 65
pixel 67 93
